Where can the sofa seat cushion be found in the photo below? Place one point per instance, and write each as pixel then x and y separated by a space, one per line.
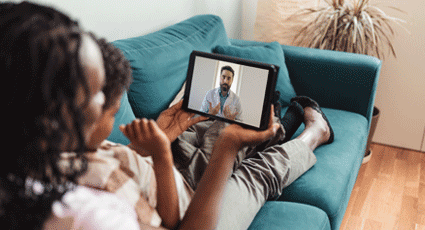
pixel 270 53
pixel 159 60
pixel 288 215
pixel 328 184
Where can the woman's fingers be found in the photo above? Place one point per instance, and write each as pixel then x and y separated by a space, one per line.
pixel 271 131
pixel 151 126
pixel 130 128
pixel 123 130
pixel 271 115
pixel 139 127
pixel 175 108
pixel 273 127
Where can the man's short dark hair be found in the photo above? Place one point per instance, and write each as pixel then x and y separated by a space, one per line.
pixel 229 69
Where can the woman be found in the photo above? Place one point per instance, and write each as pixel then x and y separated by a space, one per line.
pixel 54 75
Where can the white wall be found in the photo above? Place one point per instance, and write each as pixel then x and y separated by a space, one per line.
pixel 229 10
pixel 252 93
pixel 401 89
pixel 204 72
pixel 114 19
pixel 249 13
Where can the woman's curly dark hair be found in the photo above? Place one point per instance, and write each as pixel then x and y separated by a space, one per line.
pixel 117 72
pixel 40 65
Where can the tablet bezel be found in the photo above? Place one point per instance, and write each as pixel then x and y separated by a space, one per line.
pixel 269 93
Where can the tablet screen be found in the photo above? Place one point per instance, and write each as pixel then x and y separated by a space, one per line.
pixel 229 89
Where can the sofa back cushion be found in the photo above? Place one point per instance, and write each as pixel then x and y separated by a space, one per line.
pixel 159 60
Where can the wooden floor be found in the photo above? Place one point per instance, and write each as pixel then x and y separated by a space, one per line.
pixel 389 192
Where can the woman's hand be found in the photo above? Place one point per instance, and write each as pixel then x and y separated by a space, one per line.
pixel 174 121
pixel 241 137
pixel 145 135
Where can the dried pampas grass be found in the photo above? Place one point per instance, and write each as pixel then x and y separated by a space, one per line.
pixel 352 26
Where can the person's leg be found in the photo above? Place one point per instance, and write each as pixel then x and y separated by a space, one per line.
pixel 315 133
pixel 261 177
pixel 195 133
pixel 324 127
pixel 189 158
pixel 264 175
pixel 192 149
pixel 292 120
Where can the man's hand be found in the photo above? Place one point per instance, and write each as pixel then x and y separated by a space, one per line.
pixel 214 111
pixel 174 121
pixel 228 113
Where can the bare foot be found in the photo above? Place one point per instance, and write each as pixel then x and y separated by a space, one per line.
pixel 317 131
pixel 315 120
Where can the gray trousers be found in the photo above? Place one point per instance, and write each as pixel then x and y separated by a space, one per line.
pixel 259 174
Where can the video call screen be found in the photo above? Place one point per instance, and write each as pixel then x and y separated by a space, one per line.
pixel 228 90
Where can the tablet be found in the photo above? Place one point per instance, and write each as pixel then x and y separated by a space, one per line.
pixel 230 89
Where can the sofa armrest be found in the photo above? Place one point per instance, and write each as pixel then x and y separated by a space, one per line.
pixel 337 80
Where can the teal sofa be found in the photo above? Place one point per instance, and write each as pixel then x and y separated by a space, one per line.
pixel 343 84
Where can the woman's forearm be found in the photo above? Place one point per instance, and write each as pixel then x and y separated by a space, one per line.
pixel 203 211
pixel 168 200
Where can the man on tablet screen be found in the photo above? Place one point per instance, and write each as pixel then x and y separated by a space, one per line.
pixel 221 101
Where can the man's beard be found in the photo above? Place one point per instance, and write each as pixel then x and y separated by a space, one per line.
pixel 225 87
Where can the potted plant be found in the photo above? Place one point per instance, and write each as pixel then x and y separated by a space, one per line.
pixel 353 26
